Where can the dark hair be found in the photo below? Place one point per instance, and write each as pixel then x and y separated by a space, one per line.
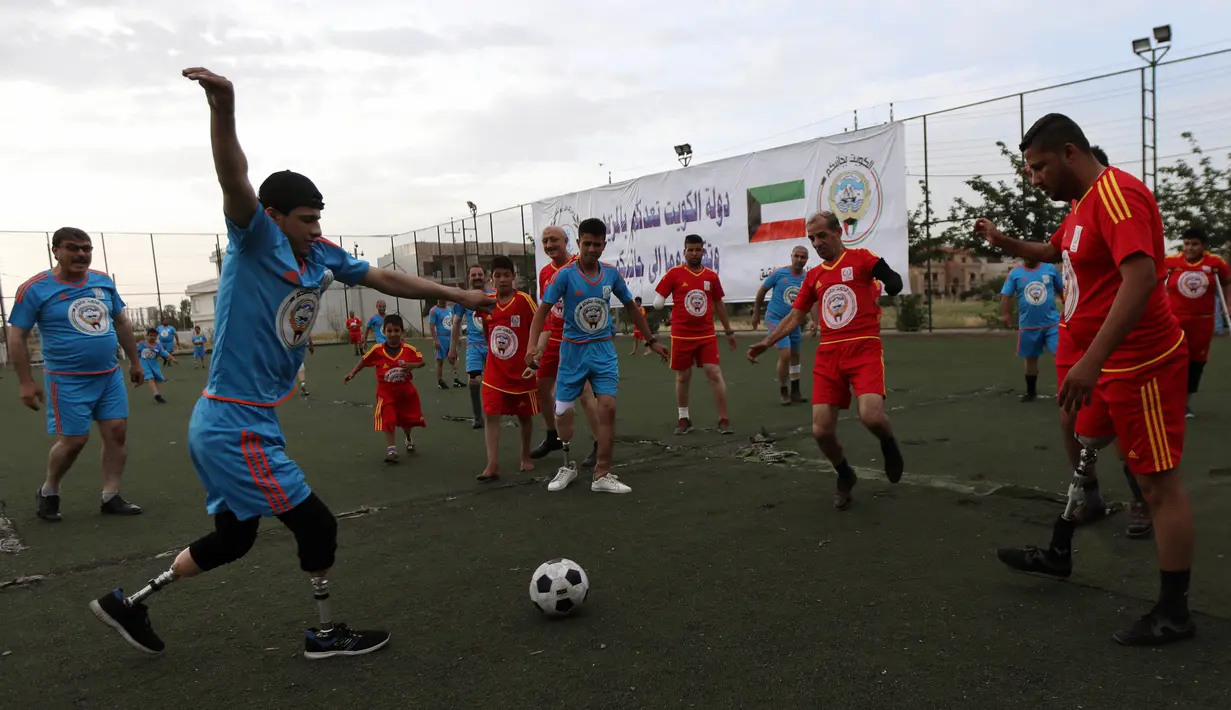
pixel 500 261
pixel 1052 132
pixel 592 226
pixel 476 266
pixel 637 299
pixel 151 331
pixel 71 234
pixel 1196 233
pixel 1101 156
pixel 831 219
pixel 286 190
pixel 693 239
pixel 393 319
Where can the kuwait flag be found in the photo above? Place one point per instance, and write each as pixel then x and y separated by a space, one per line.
pixel 777 212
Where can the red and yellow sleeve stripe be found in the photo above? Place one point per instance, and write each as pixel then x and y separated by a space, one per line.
pixel 1112 198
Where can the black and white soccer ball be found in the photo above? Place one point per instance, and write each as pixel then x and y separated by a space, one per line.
pixel 558 587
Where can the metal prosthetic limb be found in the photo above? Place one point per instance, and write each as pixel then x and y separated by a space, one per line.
pixel 1077 493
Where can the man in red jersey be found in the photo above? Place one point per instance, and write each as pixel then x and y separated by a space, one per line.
pixel 354 328
pixel 697 293
pixel 849 354
pixel 509 387
pixel 555 246
pixel 1134 359
pixel 1193 278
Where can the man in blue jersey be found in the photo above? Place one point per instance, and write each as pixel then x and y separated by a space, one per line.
pixel 1035 286
pixel 81 320
pixel 476 342
pixel 168 338
pixel 440 320
pixel 276 269
pixel 376 325
pixel 584 289
pixel 198 347
pixel 783 285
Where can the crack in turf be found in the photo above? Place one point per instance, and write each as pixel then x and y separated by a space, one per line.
pixel 10 541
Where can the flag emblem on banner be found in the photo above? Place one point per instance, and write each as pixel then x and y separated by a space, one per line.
pixel 776 212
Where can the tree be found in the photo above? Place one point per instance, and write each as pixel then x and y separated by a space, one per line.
pixel 185 314
pixel 1195 195
pixel 920 247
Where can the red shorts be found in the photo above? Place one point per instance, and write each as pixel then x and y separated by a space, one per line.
pixel 857 364
pixel 1093 420
pixel 1144 408
pixel 1199 332
pixel 686 353
pixel 400 412
pixel 549 364
pixel 499 402
pixel 637 334
pixel 355 336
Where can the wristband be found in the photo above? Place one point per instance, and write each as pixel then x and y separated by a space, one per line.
pixel 533 366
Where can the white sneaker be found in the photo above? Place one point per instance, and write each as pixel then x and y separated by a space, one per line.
pixel 564 476
pixel 609 484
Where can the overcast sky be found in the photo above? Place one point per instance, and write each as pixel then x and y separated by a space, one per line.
pixel 402 111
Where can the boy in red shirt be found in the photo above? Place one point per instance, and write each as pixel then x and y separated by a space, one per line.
pixel 354 328
pixel 1128 382
pixel 397 400
pixel 1194 276
pixel 509 387
pixel 846 285
pixel 696 293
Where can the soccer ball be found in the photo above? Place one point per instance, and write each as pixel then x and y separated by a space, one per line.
pixel 558 587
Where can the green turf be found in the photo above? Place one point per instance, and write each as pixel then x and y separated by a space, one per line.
pixel 717 583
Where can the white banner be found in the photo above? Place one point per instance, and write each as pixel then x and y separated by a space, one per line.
pixel 751 210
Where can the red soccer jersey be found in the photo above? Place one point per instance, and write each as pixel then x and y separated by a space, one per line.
pixel 1191 285
pixel 1116 219
pixel 847 293
pixel 508 339
pixel 555 319
pixel 354 325
pixel 692 294
pixel 392 380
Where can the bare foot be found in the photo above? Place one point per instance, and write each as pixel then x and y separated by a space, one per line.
pixel 526 465
pixel 490 473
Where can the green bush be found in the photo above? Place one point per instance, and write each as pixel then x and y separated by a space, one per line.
pixel 910 313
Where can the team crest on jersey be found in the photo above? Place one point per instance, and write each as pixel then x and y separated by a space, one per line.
pixel 848 273
pixel 396 374
pixel 1070 290
pixel 503 342
pixel 838 305
pixel 1192 284
pixel 1035 293
pixel 705 285
pixel 326 280
pixel 1046 278
pixel 515 321
pixel 607 292
pixel 296 316
pixel 1206 269
pixel 791 293
pixel 695 302
pixel 90 316
pixel 447 321
pixel 591 315
pixel 101 293
pixel 476 320
pixel 558 310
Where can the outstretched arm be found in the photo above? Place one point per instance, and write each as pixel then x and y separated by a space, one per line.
pixel 239 201
pixel 402 285
pixel 1031 251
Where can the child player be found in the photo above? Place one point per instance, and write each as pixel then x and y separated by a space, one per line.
pixel 397 400
pixel 198 347
pixel 149 350
pixel 509 387
pixel 1194 276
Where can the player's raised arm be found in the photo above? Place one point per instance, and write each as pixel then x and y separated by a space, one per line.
pixel 883 272
pixel 1031 251
pixel 239 202
pixel 402 285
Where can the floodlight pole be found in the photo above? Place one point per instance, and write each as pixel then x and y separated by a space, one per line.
pixel 1151 54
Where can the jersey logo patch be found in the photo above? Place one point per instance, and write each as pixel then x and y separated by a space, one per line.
pixel 695 302
pixel 447 322
pixel 848 273
pixel 1072 293
pixel 838 306
pixel 503 342
pixel 515 321
pixel 706 285
pixel 1192 284
pixel 591 315
pixel 296 316
pixel 1075 241
pixel 1035 293
pixel 791 293
pixel 90 316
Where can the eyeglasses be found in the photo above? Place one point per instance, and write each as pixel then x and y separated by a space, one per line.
pixel 87 248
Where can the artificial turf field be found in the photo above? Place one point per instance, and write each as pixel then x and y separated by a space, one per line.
pixel 718 582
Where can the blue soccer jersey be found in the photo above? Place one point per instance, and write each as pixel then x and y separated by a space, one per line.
pixel 474 329
pixel 198 342
pixel 377 324
pixel 267 303
pixel 74 321
pixel 1036 291
pixel 166 335
pixel 441 321
pixel 783 287
pixel 587 304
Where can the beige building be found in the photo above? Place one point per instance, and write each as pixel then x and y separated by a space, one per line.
pixel 959 272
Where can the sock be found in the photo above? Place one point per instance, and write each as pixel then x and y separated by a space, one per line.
pixel 1032 384
pixel 1173 591
pixel 1094 497
pixel 684 413
pixel 783 390
pixel 1195 369
pixel 391 449
pixel 1062 537
pixel 1132 485
pixel 109 495
pixel 795 383
pixel 846 474
pixel 154 585
pixel 320 592
pixel 49 490
pixel 552 435
pixel 476 401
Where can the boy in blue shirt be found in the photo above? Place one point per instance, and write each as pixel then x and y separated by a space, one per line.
pixel 440 319
pixel 784 285
pixel 198 347
pixel 376 325
pixel 476 342
pixel 1035 286
pixel 149 351
pixel 168 337
pixel 584 289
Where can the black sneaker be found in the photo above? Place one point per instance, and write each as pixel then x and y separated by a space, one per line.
pixel 459 383
pixel 476 424
pixel 894 465
pixel 1157 628
pixel 545 447
pixel 441 384
pixel 591 460
pixel 119 506
pixel 1032 559
pixel 48 506
pixel 132 622
pixel 341 641
pixel 161 400
pixel 1028 397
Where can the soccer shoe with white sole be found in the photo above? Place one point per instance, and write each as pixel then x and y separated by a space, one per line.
pixel 118 506
pixel 564 476
pixel 1156 629
pixel 1033 559
pixel 609 484
pixel 132 623
pixel 341 641
pixel 391 455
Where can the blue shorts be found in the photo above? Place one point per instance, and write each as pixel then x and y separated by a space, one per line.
pixel 476 358
pixel 442 348
pixel 169 346
pixel 152 370
pixel 240 457
pixel 198 353
pixel 595 362
pixel 75 402
pixel 792 340
pixel 1031 343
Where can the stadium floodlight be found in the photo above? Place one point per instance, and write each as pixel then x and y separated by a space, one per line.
pixel 683 151
pixel 474 211
pixel 1141 46
pixel 1162 34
